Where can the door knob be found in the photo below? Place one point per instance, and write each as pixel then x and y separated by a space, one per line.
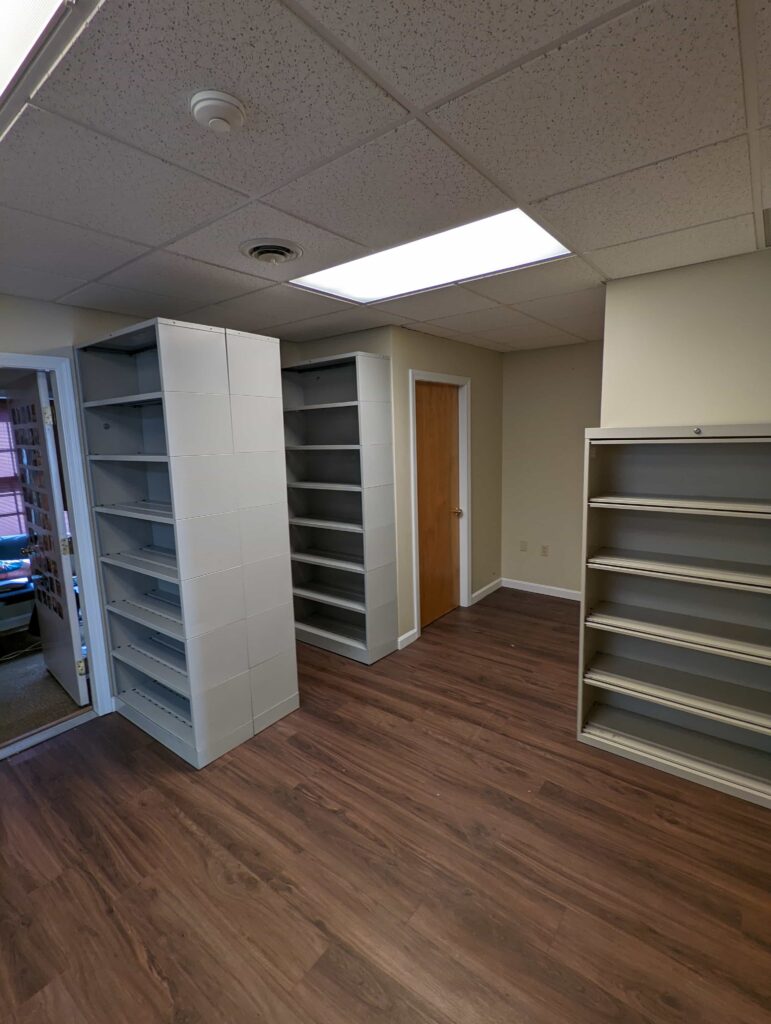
pixel 456 511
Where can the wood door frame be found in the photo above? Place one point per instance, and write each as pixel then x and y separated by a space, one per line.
pixel 463 384
pixel 73 453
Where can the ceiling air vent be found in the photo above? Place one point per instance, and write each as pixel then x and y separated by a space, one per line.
pixel 271 250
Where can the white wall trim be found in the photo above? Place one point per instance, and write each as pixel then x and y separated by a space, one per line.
pixel 540 588
pixel 463 385
pixel 485 591
pixel 74 468
pixel 408 638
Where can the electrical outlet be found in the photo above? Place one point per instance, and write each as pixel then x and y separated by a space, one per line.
pixel 544 550
pixel 523 545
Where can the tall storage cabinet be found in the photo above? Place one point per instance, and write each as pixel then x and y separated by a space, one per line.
pixel 184 440
pixel 675 662
pixel 339 453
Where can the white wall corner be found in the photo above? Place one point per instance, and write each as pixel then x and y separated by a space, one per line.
pixel 539 588
pixel 408 638
pixel 485 591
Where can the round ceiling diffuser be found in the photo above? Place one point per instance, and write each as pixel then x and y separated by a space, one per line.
pixel 271 250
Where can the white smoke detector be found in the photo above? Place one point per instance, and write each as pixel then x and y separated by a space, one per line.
pixel 217 111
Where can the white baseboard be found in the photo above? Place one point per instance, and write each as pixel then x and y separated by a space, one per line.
pixel 485 591
pixel 539 588
pixel 407 638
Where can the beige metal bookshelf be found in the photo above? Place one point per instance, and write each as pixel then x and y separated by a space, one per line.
pixel 339 452
pixel 675 652
pixel 198 608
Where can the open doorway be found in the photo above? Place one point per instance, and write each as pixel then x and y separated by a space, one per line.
pixel 42 644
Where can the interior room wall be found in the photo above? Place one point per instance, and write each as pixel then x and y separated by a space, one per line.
pixel 38 328
pixel 415 350
pixel 690 346
pixel 549 397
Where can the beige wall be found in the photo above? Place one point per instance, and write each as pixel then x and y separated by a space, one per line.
pixel 38 328
pixel 549 397
pixel 690 346
pixel 411 350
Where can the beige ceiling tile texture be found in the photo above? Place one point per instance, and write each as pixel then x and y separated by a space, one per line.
pixel 568 274
pixel 402 186
pixel 436 331
pixel 113 299
pixel 428 49
pixel 581 313
pixel 435 303
pixel 765 164
pixel 529 333
pixel 49 245
pixel 763 47
pixel 660 80
pixel 181 278
pixel 494 318
pixel 55 168
pixel 219 243
pixel 678 248
pixel 34 283
pixel 710 184
pixel 345 322
pixel 279 304
pixel 134 70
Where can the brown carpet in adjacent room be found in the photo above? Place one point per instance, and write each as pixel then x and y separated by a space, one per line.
pixel 30 698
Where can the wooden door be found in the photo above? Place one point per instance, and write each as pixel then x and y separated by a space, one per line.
pixel 49 542
pixel 436 431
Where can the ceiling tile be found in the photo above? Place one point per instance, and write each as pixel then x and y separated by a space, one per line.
pixel 279 304
pixel 428 50
pixel 134 69
pixel 165 273
pixel 402 186
pixel 42 244
pixel 112 299
pixel 596 105
pixel 678 248
pixel 563 275
pixel 436 330
pixel 436 303
pixel 493 318
pixel 219 243
pixel 581 313
pixel 34 283
pixel 710 184
pixel 529 333
pixel 344 322
pixel 763 47
pixel 58 169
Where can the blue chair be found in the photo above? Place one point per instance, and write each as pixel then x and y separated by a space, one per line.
pixel 14 591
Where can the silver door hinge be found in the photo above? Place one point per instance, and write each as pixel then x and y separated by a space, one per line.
pixel 48 416
pixel 66 546
pixel 82 667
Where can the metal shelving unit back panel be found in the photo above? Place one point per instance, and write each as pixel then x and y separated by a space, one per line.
pixel 179 474
pixel 339 451
pixel 675 651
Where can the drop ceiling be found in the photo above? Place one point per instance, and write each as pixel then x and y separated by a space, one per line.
pixel 639 134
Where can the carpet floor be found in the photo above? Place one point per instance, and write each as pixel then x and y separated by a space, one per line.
pixel 30 698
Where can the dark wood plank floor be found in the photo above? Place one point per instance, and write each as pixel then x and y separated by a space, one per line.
pixel 422 843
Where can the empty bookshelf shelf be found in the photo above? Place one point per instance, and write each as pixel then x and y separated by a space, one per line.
pixel 326 524
pixel 748 508
pixel 721 699
pixel 330 561
pixel 338 597
pixel 704 758
pixel 128 458
pixel 157 662
pixel 153 612
pixel 730 638
pixel 683 567
pixel 323 627
pixel 148 398
pixel 155 512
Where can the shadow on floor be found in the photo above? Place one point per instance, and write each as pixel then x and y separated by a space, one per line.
pixel 30 698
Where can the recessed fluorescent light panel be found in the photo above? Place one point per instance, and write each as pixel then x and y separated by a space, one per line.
pixel 24 22
pixel 502 242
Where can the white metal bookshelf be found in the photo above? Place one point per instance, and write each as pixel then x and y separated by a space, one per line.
pixel 179 477
pixel 339 453
pixel 675 656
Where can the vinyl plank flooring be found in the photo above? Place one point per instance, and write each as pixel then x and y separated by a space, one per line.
pixel 423 842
